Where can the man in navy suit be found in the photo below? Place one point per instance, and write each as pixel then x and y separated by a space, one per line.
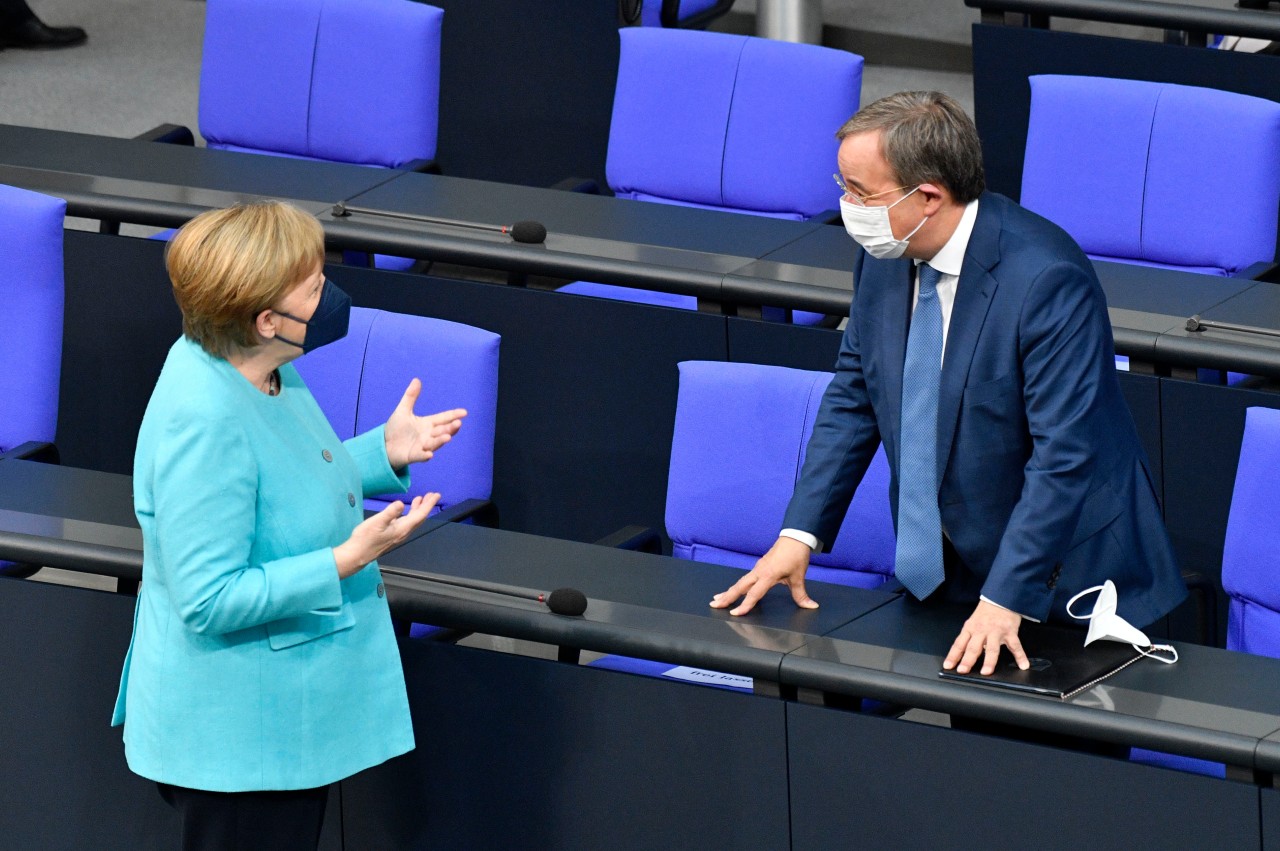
pixel 1017 474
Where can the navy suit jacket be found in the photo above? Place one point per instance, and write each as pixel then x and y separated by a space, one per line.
pixel 1044 488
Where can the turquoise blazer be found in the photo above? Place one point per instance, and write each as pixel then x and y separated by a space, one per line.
pixel 252 667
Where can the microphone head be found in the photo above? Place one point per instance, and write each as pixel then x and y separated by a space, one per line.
pixel 530 232
pixel 567 601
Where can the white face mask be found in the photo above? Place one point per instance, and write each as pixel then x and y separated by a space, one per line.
pixel 1106 625
pixel 870 228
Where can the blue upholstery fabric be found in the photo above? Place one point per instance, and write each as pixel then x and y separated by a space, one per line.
pixel 739 443
pixel 729 121
pixel 726 122
pixel 740 435
pixel 1251 551
pixel 31 319
pixel 359 380
pixel 353 81
pixel 1115 163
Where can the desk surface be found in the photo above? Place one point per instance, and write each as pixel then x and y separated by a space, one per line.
pixel 1212 704
pixel 719 257
pixel 639 604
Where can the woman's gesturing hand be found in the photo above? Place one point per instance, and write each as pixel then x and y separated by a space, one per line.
pixel 384 531
pixel 411 438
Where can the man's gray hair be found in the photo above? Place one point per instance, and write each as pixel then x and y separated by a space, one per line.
pixel 927 138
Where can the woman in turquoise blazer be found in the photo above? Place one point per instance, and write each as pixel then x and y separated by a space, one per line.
pixel 263 666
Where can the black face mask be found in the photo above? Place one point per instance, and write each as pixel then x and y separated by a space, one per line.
pixel 327 324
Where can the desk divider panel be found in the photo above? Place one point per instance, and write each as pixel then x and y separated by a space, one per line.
pixel 885 783
pixel 515 752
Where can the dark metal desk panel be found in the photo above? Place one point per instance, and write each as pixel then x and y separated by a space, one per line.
pixel 169 180
pixel 617 240
pixel 815 272
pixel 1270 820
pixel 882 783
pixel 1257 306
pixel 641 605
pixel 69 518
pixel 1145 303
pixel 61 763
pixel 526 753
pixel 1213 704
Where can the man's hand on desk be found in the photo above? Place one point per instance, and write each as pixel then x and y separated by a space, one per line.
pixel 785 563
pixel 988 629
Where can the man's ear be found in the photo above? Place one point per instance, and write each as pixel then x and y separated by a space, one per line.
pixel 935 197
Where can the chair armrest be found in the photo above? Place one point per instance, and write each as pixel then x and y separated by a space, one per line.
pixel 422 167
pixel 1205 591
pixel 169 134
pixel 584 185
pixel 33 450
pixel 638 538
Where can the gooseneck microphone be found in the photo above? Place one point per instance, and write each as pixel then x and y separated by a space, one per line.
pixel 531 233
pixel 1195 323
pixel 562 601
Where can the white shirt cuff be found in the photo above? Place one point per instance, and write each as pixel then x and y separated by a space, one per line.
pixel 803 537
pixel 1007 609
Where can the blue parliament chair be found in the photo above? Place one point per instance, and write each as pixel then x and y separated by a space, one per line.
pixel 351 81
pixel 740 435
pixel 30 330
pixel 1123 166
pixel 359 380
pixel 1250 561
pixel 725 122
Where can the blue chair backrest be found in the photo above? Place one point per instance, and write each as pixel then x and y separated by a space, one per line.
pixel 1153 173
pixel 1251 552
pixel 359 380
pixel 31 316
pixel 740 437
pixel 354 81
pixel 729 122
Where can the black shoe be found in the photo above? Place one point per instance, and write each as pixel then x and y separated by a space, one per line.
pixel 35 34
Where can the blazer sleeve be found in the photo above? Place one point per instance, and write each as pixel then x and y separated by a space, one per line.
pixel 376 473
pixel 205 502
pixel 1065 347
pixel 844 439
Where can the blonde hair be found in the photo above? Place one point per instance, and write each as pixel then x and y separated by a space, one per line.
pixel 229 265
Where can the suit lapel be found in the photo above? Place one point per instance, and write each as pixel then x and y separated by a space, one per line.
pixel 974 294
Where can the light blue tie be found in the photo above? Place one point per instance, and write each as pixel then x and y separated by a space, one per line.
pixel 918 563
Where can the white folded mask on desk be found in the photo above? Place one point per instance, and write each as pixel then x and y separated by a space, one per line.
pixel 1106 625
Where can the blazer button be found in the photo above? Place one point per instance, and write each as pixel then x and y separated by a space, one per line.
pixel 351 500
pixel 382 590
pixel 327 455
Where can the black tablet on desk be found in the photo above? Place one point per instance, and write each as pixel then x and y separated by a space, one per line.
pixel 1060 663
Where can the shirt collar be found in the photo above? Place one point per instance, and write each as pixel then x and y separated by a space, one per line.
pixel 950 258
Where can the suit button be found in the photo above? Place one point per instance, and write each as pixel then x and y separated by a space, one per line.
pixel 382 590
pixel 327 455
pixel 351 500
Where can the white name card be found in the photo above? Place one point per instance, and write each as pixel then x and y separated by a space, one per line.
pixel 701 675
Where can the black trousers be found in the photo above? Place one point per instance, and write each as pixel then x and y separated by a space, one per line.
pixel 248 821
